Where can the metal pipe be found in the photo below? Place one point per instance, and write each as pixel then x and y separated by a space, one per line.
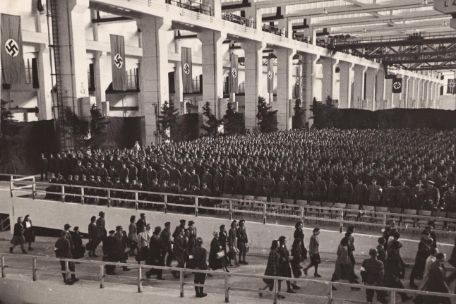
pixel 181 282
pixel 140 278
pixel 102 276
pixel 34 270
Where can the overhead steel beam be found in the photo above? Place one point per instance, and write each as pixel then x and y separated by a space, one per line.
pixel 339 46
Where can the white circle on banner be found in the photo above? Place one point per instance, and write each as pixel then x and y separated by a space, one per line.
pixel 269 75
pixel 118 61
pixel 397 85
pixel 11 47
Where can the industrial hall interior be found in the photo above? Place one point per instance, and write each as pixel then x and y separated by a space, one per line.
pixel 231 150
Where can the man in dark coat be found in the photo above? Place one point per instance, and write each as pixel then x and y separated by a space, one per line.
pixel 242 241
pixel 284 269
pixel 424 250
pixel 62 250
pixel 156 256
pixel 437 282
pixel 199 257
pixel 165 239
pixel 141 223
pixel 372 272
pixel 93 237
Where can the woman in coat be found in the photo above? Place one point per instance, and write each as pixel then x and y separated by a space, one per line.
pixel 29 234
pixel 314 253
pixel 132 235
pixel 299 234
pixel 296 253
pixel 232 243
pixel 223 238
pixel 284 262
pixel 272 268
pixel 18 236
pixel 344 267
pixel 217 258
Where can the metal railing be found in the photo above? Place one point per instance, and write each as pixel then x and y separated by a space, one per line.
pixel 228 285
pixel 192 5
pixel 307 211
pixel 249 22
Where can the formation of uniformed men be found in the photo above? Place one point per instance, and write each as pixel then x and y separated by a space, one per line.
pixel 349 166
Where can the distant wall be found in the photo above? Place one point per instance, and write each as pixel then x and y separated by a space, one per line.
pixel 55 215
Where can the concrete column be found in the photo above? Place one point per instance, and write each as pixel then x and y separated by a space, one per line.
pixel 44 75
pixel 253 80
pixel 437 96
pixel 309 74
pixel 328 65
pixel 388 94
pixel 212 68
pixel 396 102
pixel 405 93
pixel 431 94
pixel 153 72
pixel 102 77
pixel 370 88
pixel 71 16
pixel 178 87
pixel 216 8
pixel 379 90
pixel 345 87
pixel 358 86
pixel 412 93
pixel 419 93
pixel 284 87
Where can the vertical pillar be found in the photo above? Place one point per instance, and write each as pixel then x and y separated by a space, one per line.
pixel 425 93
pixel 412 92
pixel 328 65
pixel 102 77
pixel 284 87
pixel 419 93
pixel 379 90
pixel 71 16
pixel 253 80
pixel 346 80
pixel 178 87
pixel 212 68
pixel 44 75
pixel 388 93
pixel 437 96
pixel 405 91
pixel 396 101
pixel 431 94
pixel 154 72
pixel 309 74
pixel 370 88
pixel 358 86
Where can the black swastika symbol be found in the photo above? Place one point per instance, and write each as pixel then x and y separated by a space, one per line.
pixel 12 48
pixel 118 61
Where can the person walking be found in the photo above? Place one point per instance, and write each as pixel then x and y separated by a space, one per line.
pixel 133 235
pixel 437 281
pixel 344 267
pixel 242 242
pixel 272 269
pixel 29 233
pixel 395 268
pixel 93 237
pixel 217 256
pixel 284 263
pixel 372 272
pixel 62 249
pixel 143 244
pixel 18 236
pixel 199 257
pixel 295 262
pixel 314 253
pixel 157 253
pixel 232 243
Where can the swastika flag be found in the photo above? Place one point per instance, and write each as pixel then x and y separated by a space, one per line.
pixel 234 77
pixel 12 54
pixel 187 68
pixel 270 76
pixel 119 72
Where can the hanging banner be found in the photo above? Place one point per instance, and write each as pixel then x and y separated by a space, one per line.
pixel 270 76
pixel 12 53
pixel 234 76
pixel 451 87
pixel 119 72
pixel 187 69
pixel 297 86
pixel 397 85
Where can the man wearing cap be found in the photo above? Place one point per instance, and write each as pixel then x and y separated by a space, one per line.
pixel 62 249
pixel 156 254
pixel 191 234
pixel 372 272
pixel 141 223
pixel 242 241
pixel 198 259
pixel 166 244
pixel 179 228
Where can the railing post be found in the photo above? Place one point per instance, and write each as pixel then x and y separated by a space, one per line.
pixel 302 213
pixel 136 200
pixel 11 185
pixel 2 266
pixel 330 293
pixel 67 269
pixel 275 291
pixel 109 197
pixel 384 219
pixel 181 282
pixel 230 202
pixel 33 188
pixel 102 276
pixel 196 205
pixel 82 195
pixel 264 213
pixel 165 198
pixel 63 193
pixel 341 225
pixel 227 289
pixel 34 269
pixel 140 278
pixel 393 297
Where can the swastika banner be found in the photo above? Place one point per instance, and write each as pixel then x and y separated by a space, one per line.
pixel 270 76
pixel 397 85
pixel 298 84
pixel 12 54
pixel 234 75
pixel 187 69
pixel 119 72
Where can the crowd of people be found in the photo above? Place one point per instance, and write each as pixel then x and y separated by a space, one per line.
pixel 409 169
pixel 183 248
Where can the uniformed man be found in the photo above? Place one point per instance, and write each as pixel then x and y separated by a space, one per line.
pixel 62 249
pixel 198 258
pixel 372 272
pixel 242 241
